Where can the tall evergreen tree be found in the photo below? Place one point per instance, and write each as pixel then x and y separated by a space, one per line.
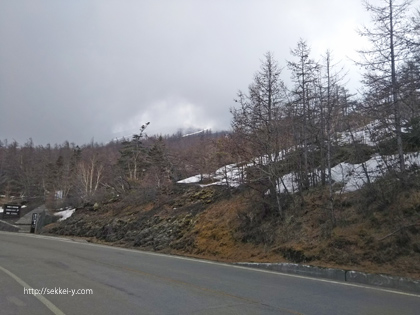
pixel 133 157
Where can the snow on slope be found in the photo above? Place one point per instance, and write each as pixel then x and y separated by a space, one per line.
pixel 370 133
pixel 65 214
pixel 231 175
pixel 352 176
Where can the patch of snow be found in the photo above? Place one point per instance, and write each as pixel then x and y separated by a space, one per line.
pixel 231 175
pixel 371 133
pixel 195 133
pixel 228 175
pixel 65 214
pixel 354 176
pixel 366 134
pixel 190 180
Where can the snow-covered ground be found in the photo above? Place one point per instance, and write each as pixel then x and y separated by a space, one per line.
pixel 354 176
pixel 351 176
pixel 368 134
pixel 231 175
pixel 65 214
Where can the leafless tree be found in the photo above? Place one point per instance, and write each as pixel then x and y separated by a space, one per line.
pixel 258 121
pixel 304 75
pixel 331 93
pixel 90 174
pixel 389 37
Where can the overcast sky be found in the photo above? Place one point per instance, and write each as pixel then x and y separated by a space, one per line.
pixel 98 69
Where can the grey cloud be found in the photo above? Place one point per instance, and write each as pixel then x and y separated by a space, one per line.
pixel 77 70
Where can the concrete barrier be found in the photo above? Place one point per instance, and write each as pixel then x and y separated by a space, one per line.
pixel 385 281
pixel 381 280
pixel 304 270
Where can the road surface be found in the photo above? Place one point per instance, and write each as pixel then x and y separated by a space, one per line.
pixel 121 281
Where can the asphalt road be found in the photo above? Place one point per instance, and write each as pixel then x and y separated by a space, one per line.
pixel 122 281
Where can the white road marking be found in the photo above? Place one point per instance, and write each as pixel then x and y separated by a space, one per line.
pixel 40 297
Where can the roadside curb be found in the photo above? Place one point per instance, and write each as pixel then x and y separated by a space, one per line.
pixel 398 283
pixel 6 226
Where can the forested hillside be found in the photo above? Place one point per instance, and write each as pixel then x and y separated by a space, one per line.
pixel 278 196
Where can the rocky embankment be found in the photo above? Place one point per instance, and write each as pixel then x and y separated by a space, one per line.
pixel 153 226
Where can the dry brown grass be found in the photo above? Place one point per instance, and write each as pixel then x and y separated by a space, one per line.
pixel 355 243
